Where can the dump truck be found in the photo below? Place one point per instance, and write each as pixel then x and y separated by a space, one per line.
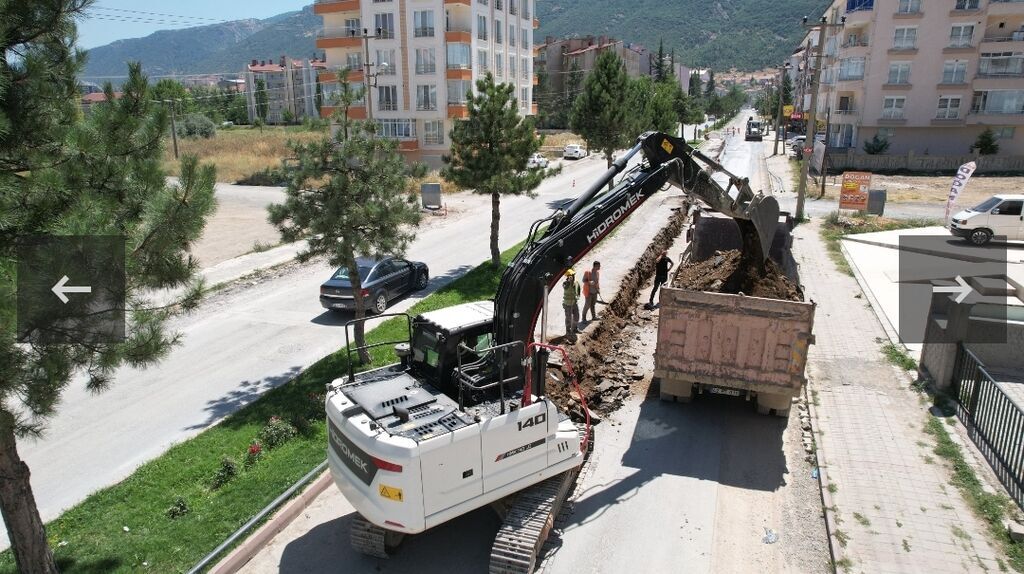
pixel 733 344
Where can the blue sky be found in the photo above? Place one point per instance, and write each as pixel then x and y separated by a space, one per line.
pixel 119 19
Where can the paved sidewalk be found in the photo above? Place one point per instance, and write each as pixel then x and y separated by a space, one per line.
pixel 896 510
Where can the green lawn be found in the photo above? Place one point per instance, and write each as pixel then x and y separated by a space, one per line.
pixel 126 528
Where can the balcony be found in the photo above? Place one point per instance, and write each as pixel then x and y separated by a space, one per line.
pixel 355 112
pixel 845 111
pixel 338 38
pixel 533 109
pixel 536 79
pixel 459 73
pixel 353 76
pixel 424 32
pixel 908 15
pixel 1004 7
pixel 335 6
pixel 859 13
pixel 536 23
pixel 426 69
pixel 458 111
pixel 458 2
pixel 458 35
pixel 408 144
pixel 1004 43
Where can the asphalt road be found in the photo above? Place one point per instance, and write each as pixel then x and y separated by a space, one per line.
pixel 241 343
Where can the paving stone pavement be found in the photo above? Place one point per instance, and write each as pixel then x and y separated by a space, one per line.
pixel 908 517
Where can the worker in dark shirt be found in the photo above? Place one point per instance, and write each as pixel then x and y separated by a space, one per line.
pixel 661 268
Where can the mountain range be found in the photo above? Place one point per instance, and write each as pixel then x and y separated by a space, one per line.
pixel 722 34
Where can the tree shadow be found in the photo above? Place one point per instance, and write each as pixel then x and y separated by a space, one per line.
pixel 244 394
pixel 94 566
pixel 459 545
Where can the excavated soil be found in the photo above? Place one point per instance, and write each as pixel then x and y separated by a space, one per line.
pixel 725 272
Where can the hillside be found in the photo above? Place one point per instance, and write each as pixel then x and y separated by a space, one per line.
pixel 223 47
pixel 746 34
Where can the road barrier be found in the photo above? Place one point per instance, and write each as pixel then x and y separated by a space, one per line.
pixel 993 421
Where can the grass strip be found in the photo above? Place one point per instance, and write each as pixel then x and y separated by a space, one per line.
pixel 836 226
pixel 127 527
pixel 897 355
pixel 992 508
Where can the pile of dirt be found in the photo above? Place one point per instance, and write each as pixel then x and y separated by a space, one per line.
pixel 726 272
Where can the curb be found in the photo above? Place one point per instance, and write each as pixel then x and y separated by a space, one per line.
pixel 252 545
pixel 887 326
pixel 835 550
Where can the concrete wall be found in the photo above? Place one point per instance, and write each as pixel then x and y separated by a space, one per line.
pixel 840 161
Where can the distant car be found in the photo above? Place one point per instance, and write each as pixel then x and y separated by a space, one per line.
pixel 537 160
pixel 382 281
pixel 574 151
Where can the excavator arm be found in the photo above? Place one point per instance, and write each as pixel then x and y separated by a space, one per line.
pixel 560 240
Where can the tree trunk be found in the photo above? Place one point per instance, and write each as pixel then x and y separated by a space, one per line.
pixel 608 158
pixel 495 220
pixel 359 329
pixel 32 553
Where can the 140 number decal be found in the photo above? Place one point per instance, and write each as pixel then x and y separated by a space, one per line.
pixel 533 421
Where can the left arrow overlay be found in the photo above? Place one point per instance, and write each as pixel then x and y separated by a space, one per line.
pixel 61 288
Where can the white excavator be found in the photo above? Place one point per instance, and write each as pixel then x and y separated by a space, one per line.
pixel 463 420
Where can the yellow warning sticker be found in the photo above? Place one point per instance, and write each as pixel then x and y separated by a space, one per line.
pixel 667 146
pixel 391 492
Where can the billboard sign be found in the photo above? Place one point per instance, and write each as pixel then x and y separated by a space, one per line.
pixel 853 194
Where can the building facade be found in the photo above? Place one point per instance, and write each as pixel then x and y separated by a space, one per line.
pixel 423 57
pixel 927 75
pixel 556 58
pixel 290 87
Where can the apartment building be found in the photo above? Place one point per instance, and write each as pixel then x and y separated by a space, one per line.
pixel 927 75
pixel 423 58
pixel 555 58
pixel 290 86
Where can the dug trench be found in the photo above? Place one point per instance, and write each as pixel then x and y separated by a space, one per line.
pixel 605 360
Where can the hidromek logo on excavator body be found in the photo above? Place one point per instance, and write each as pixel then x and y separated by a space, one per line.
pixel 615 216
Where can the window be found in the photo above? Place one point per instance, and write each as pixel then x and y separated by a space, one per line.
pixel 481 27
pixel 851 68
pixel 354 60
pixel 892 107
pixel 512 8
pixel 425 62
pixel 905 38
pixel 909 7
pixel 387 98
pixel 960 35
pixel 512 35
pixel 524 97
pixel 526 68
pixel 353 27
pixel 998 102
pixel 954 72
pixel 1001 64
pixel 899 73
pixel 887 133
pixel 423 23
pixel 386 57
pixel 949 108
pixel 397 128
pixel 384 24
pixel 433 132
pixel 482 2
pixel 482 60
pixel 497 31
pixel 426 97
pixel 457 90
pixel 458 56
pixel 512 68
pixel 499 66
pixel 526 38
pixel 498 6
pixel 1012 207
pixel 967 4
pixel 1003 133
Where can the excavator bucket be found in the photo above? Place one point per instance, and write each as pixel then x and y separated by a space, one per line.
pixel 762 213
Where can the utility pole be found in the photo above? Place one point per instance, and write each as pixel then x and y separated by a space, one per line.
pixel 778 118
pixel 824 153
pixel 812 126
pixel 174 130
pixel 366 71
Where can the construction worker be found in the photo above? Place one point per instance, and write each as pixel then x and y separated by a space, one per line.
pixel 570 299
pixel 591 290
pixel 661 268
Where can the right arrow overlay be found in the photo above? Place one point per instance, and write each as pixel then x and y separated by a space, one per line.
pixel 962 288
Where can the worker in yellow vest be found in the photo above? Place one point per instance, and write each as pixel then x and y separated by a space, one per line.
pixel 570 300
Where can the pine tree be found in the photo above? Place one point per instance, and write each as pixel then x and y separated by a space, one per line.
pixel 490 150
pixel 695 87
pixel 651 106
pixel 787 89
pixel 658 71
pixel 986 144
pixel 598 114
pixel 347 197
pixel 62 174
pixel 262 104
pixel 709 89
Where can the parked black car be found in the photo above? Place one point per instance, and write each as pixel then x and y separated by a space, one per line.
pixel 382 280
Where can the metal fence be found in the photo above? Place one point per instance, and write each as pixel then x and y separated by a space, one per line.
pixel 995 423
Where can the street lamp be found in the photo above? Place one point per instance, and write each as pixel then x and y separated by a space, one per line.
pixel 812 126
pixel 783 69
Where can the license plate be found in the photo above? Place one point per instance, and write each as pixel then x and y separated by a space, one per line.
pixel 719 391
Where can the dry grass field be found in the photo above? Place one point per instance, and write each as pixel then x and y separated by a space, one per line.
pixel 932 189
pixel 239 152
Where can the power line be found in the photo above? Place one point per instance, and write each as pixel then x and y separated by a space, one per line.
pixel 158 14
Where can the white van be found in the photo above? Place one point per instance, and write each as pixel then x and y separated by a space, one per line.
pixel 999 216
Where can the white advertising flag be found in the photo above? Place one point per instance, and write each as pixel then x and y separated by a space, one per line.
pixel 959 183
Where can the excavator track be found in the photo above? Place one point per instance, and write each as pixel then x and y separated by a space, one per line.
pixel 530 518
pixel 372 540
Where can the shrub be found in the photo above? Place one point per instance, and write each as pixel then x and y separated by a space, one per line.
pixel 276 433
pixel 196 126
pixel 877 145
pixel 266 176
pixel 178 509
pixel 254 454
pixel 227 471
pixel 986 143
